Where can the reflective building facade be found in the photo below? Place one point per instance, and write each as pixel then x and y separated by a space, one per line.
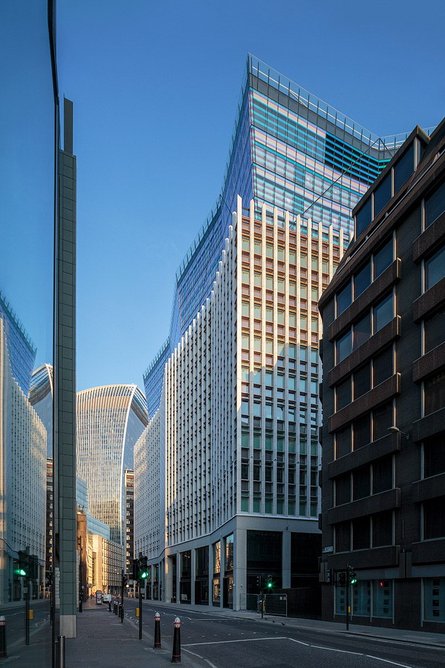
pixel 110 420
pixel 292 151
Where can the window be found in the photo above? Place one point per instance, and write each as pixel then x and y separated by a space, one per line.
pixel 361 482
pixel 434 597
pixel 246 244
pixel 245 308
pixel 362 330
pixel 382 419
pixel 342 442
pixel 361 533
pixel 434 455
pixel 343 395
pixel 434 392
pixel 383 312
pixel 362 381
pixel 344 346
pixel 344 298
pixel 403 168
pixel 382 598
pixel 435 268
pixel 434 518
pixel 383 366
pixel 363 217
pixel 382 476
pixel 435 205
pixel 362 280
pixel 362 431
pixel 342 489
pixel 382 532
pixel 434 330
pixel 342 537
pixel 382 194
pixel 383 258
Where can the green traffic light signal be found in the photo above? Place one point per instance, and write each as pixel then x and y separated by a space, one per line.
pixel 20 572
pixel 144 575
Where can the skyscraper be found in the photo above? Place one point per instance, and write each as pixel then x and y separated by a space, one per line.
pixel 21 351
pixel 41 397
pixel 292 151
pixel 110 419
pixel 235 441
pixel 22 480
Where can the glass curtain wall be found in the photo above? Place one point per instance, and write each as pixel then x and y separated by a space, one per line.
pixel 26 328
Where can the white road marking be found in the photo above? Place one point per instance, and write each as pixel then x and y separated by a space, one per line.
pixel 334 649
pixel 224 642
pixel 299 642
pixel 377 658
pixel 212 665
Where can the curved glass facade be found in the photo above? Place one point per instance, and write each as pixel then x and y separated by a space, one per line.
pixel 110 419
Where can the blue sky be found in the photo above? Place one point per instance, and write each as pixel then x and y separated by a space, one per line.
pixel 155 87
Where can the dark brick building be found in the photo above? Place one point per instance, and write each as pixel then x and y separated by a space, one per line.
pixel 383 394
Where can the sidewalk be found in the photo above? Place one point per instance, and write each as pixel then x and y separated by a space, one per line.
pixel 103 641
pixel 382 633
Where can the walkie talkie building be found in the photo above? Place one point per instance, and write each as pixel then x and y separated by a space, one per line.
pixel 110 419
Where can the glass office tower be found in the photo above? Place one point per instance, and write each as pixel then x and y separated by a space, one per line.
pixel 290 150
pixel 110 420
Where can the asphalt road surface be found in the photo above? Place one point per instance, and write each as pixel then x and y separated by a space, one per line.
pixel 230 641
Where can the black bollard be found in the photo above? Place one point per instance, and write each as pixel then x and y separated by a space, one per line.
pixel 109 605
pixel 176 654
pixel 3 653
pixel 157 641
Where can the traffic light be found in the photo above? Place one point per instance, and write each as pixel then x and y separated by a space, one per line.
pixel 352 576
pixel 22 567
pixel 259 582
pixel 143 568
pixel 135 569
pixel 269 583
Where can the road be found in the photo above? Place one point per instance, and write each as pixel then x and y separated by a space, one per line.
pixel 224 641
pixel 15 621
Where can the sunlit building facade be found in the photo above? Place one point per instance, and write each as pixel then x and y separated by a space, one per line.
pixel 292 151
pixel 149 490
pixel 238 447
pixel 21 350
pixel 22 482
pixel 110 419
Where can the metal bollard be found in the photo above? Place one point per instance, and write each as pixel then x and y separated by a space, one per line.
pixel 60 652
pixel 120 609
pixel 109 605
pixel 157 641
pixel 176 654
pixel 3 652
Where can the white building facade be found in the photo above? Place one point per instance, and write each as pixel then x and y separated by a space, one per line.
pixel 238 449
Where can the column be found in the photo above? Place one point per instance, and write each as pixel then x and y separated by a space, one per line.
pixel 240 569
pixel 192 575
pixel 286 559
